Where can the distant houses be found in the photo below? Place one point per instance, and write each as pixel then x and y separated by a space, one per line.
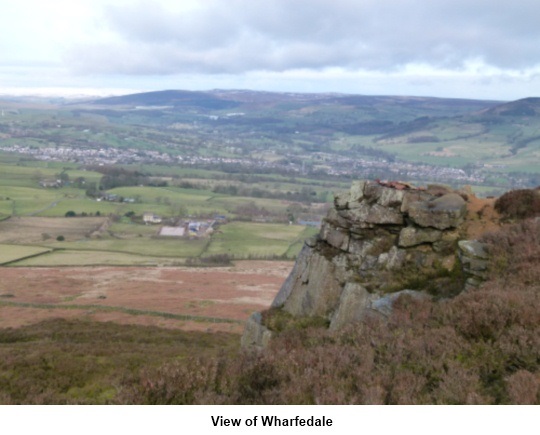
pixel 190 229
pixel 151 218
pixel 200 229
pixel 113 197
pixel 51 184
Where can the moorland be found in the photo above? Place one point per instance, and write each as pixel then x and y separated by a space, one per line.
pixel 139 231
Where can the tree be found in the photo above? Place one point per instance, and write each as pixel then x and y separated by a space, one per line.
pixel 91 189
pixel 63 177
pixel 80 182
pixel 70 213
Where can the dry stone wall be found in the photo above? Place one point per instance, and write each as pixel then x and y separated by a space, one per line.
pixel 378 242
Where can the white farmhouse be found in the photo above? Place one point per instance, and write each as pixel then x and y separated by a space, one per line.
pixel 151 218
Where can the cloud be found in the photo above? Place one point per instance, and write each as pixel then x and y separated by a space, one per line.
pixel 239 36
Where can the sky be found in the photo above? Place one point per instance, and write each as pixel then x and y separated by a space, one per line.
pixel 484 49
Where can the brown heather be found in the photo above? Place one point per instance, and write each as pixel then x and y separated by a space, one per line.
pixel 519 204
pixel 481 347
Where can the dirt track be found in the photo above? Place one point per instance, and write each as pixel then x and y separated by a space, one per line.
pixel 104 293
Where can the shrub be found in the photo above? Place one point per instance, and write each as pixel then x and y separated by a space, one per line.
pixel 70 213
pixel 519 204
pixel 514 253
pixel 60 238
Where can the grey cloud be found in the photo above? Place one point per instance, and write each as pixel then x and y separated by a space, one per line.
pixel 235 36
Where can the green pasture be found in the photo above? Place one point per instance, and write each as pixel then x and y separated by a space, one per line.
pixel 83 204
pixel 244 239
pixel 296 245
pixel 160 194
pixel 162 201
pixel 149 247
pixel 20 201
pixel 172 171
pixel 38 170
pixel 95 258
pixel 165 201
pixel 133 230
pixel 231 203
pixel 9 253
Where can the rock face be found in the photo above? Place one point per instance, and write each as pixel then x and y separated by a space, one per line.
pixel 473 257
pixel 378 243
pixel 256 335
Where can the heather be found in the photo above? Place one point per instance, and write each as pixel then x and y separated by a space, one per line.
pixel 480 347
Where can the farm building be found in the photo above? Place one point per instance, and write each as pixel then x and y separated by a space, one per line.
pixel 151 218
pixel 50 183
pixel 172 231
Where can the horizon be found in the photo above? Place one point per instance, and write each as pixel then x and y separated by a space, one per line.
pixel 439 49
pixel 85 93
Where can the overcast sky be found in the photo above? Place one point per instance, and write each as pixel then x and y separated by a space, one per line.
pixel 485 49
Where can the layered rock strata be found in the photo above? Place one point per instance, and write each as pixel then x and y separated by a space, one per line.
pixel 377 243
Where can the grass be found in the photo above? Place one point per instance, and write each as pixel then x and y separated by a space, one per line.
pixel 138 247
pixel 37 217
pixel 80 204
pixel 296 246
pixel 174 194
pixel 126 230
pixel 244 239
pixel 145 246
pixel 94 258
pixel 231 203
pixel 38 230
pixel 20 201
pixel 11 253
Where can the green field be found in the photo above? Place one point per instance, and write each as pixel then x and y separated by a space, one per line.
pixel 30 200
pixel 12 253
pixel 20 201
pixel 138 246
pixel 247 239
pixel 95 258
pixel 37 219
pixel 146 246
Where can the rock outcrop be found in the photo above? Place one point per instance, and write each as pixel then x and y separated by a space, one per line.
pixel 380 241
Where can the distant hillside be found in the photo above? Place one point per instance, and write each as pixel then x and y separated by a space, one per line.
pixel 523 107
pixel 227 99
pixel 170 98
pixel 456 141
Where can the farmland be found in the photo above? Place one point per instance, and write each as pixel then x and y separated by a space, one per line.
pixel 112 232
pixel 95 240
pixel 31 230
pixel 11 253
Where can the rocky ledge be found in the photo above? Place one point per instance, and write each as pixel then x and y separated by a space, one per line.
pixel 381 240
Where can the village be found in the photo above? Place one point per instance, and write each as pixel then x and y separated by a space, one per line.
pixel 323 163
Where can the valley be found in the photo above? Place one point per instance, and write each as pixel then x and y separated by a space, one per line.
pixel 138 234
